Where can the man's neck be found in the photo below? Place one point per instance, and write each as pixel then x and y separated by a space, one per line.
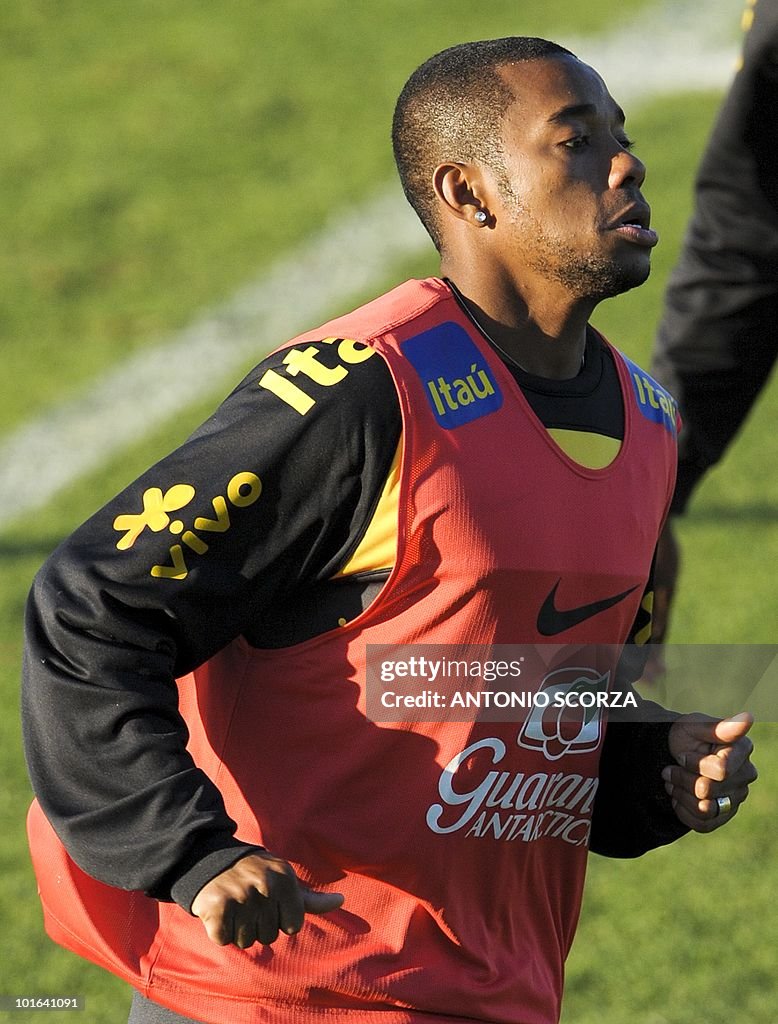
pixel 545 338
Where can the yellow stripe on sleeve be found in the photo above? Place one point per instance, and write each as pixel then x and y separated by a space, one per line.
pixel 378 547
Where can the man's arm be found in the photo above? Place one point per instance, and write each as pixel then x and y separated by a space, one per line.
pixel 654 783
pixel 160 579
pixel 717 342
pixel 633 812
pixel 662 773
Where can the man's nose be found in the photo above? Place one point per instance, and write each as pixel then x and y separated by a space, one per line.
pixel 626 169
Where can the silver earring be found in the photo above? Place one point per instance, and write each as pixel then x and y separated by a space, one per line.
pixel 480 216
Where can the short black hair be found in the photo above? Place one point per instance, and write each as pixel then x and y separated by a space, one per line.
pixel 451 108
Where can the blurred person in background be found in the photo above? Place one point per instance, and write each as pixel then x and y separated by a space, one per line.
pixel 463 461
pixel 718 338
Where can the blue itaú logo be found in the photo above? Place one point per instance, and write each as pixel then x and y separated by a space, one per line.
pixel 458 383
pixel 653 400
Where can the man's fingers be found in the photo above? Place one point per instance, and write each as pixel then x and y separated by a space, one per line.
pixel 717 731
pixel 245 934
pixel 713 770
pixel 291 910
pixel 256 898
pixel 260 918
pixel 255 920
pixel 698 786
pixel 707 808
pixel 703 804
pixel 715 748
pixel 704 787
pixel 321 902
pixel 729 761
pixel 696 822
pixel 723 763
pixel 218 924
pixel 728 730
pixel 266 922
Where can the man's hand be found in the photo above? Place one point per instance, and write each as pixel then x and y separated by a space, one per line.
pixel 713 770
pixel 255 899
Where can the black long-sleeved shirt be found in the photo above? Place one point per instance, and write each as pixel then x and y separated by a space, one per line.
pixel 134 599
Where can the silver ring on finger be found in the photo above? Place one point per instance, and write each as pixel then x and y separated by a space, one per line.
pixel 723 804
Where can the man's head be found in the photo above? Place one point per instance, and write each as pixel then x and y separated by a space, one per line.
pixel 513 152
pixel 452 108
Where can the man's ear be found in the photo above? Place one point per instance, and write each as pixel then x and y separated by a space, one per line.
pixel 462 192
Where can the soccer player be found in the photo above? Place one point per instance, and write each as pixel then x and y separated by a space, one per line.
pixel 462 464
pixel 717 341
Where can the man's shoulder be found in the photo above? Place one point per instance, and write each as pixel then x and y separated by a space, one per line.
pixel 302 372
pixel 337 370
pixel 397 307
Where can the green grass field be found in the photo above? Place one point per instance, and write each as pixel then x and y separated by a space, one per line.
pixel 156 157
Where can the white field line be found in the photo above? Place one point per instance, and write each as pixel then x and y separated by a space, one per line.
pixel 136 396
pixel 668 48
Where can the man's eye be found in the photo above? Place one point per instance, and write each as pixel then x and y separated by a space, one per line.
pixel 578 142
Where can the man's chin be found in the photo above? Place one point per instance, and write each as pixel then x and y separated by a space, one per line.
pixel 639 272
pixel 608 279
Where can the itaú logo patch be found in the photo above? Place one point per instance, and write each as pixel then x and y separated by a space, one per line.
pixel 458 383
pixel 654 402
pixel 566 717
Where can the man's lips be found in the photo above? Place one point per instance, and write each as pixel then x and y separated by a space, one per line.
pixel 633 227
pixel 632 232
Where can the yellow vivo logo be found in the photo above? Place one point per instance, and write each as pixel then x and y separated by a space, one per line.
pixel 242 490
pixel 156 506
